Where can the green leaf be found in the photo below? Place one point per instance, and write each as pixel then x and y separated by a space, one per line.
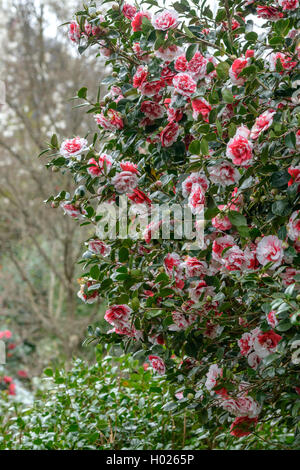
pixel 251 37
pixel 95 272
pixel 290 140
pixel 204 147
pixel 280 179
pixel 123 254
pixel 227 96
pixel 237 219
pixel 82 92
pixel 190 52
pixel 54 141
pixel 284 326
pixel 194 147
pixel 281 208
pixel 48 372
pixel 222 70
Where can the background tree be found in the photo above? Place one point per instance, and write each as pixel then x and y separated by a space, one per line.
pixel 41 72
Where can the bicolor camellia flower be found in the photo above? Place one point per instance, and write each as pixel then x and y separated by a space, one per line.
pixel 219 245
pixel 184 84
pixel 262 123
pixel 167 19
pixel 181 64
pixel 194 178
pixel 224 174
pixel 235 70
pixel 88 292
pixel 139 197
pixel 196 199
pixel 100 167
pixel 113 121
pixel 289 4
pixel 74 31
pixel 125 181
pixel 294 171
pixel 221 221
pixel 214 372
pixel 194 267
pixel 239 148
pixel 137 20
pixel 152 110
pixel 73 147
pixel 272 319
pixel 98 247
pixel 197 66
pixel 140 76
pixel 167 54
pixel 266 343
pixel 169 134
pixel 201 107
pixel 285 60
pixel 293 226
pixel 73 211
pixel 269 249
pixel 158 364
pixel 269 13
pixel 243 426
pixel 151 88
pixel 129 11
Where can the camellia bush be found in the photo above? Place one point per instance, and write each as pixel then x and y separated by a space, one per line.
pixel 202 109
pixel 115 404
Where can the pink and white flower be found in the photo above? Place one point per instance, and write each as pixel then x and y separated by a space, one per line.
pixel 213 374
pixel 169 134
pixel 125 181
pixel 74 31
pixel 98 247
pixel 285 60
pixel 152 110
pixel 73 147
pixel 137 20
pixel 271 319
pixel 197 66
pixel 246 344
pixel 194 267
pixel 293 226
pixel 151 88
pixel 181 64
pixel 266 343
pixel 140 76
pixel 289 4
pixel 239 149
pixel 184 84
pixel 201 107
pixel 224 174
pixel 262 123
pixel 167 54
pixel 158 364
pixel 269 249
pixel 219 245
pixel 113 121
pixel 100 167
pixel 196 199
pixel 73 211
pixel 129 11
pixel 234 259
pixel 235 70
pixel 194 178
pixel 167 19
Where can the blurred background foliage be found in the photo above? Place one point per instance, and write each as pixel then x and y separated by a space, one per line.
pixel 42 72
